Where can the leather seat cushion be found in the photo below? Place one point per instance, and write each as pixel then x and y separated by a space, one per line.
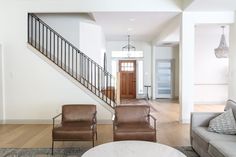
pixel 134 127
pixel 72 132
pixel 134 132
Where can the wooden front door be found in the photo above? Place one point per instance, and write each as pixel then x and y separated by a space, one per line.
pixel 127 69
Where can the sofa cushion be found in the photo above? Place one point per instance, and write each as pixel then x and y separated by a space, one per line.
pixel 206 135
pixel 230 104
pixel 222 148
pixel 198 139
pixel 224 123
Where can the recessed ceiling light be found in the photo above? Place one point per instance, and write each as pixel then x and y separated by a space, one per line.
pixel 132 19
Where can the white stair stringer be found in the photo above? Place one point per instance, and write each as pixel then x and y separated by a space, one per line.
pixel 89 91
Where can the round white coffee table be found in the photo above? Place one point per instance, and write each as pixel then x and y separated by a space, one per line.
pixel 133 149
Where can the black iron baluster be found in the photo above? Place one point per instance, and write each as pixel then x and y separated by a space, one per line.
pixel 95 78
pixel 84 68
pixel 39 38
pixel 99 81
pixel 31 31
pixel 76 64
pixel 43 41
pixel 103 83
pixel 88 70
pixel 69 58
pixel 106 85
pixel 54 47
pixel 114 85
pixel 81 66
pixel 35 32
pixel 110 89
pixel 91 71
pixel 72 61
pixel 47 42
pixel 61 53
pixel 57 50
pixel 65 56
pixel 50 44
pixel 28 28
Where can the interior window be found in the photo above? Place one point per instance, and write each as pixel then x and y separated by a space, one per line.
pixel 140 76
pixel 126 54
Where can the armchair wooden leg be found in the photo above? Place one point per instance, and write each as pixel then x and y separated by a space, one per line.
pixel 96 136
pixel 52 146
pixel 93 142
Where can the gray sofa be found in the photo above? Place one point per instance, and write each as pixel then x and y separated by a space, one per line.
pixel 210 144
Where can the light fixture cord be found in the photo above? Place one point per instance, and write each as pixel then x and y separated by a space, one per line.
pixel 223 29
pixel 128 42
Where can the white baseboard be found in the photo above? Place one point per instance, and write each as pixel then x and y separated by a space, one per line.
pixel 210 102
pixel 185 121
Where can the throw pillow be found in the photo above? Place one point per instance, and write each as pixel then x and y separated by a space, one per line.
pixel 231 105
pixel 224 123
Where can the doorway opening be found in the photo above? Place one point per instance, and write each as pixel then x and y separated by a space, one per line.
pixel 132 62
pixel 211 74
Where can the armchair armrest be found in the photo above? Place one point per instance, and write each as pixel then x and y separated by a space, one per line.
pixel 114 121
pixel 154 120
pixel 95 118
pixel 55 118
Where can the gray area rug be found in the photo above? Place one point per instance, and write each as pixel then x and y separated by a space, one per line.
pixel 64 152
pixel 188 151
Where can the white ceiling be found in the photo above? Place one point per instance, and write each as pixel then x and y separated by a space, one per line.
pixel 212 5
pixel 144 26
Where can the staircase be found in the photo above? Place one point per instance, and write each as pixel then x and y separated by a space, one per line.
pixel 71 60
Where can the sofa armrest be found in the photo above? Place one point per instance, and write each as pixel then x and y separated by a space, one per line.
pixel 202 118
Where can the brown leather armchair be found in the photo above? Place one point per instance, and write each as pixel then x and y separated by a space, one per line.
pixel 133 123
pixel 78 124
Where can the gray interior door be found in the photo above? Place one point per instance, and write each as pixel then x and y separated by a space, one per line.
pixel 164 78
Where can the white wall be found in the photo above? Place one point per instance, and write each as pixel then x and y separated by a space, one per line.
pixel 1 84
pixel 210 73
pixel 170 53
pixel 187 37
pixel 170 32
pixel 232 62
pixel 33 89
pixel 92 41
pixel 140 46
pixel 176 56
pixel 66 25
pixel 80 30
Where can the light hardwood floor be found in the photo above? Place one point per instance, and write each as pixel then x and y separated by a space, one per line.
pixel 169 130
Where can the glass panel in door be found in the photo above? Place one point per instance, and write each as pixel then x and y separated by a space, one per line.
pixel 163 79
